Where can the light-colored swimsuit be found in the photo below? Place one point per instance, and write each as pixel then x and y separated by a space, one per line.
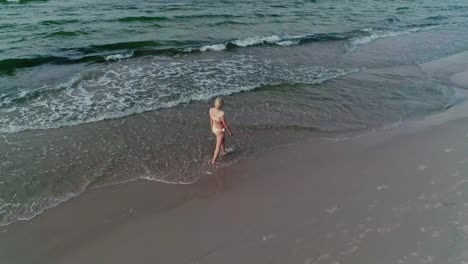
pixel 217 118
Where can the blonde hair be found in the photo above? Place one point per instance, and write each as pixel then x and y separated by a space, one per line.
pixel 219 101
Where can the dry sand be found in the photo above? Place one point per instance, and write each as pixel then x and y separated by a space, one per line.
pixel 392 196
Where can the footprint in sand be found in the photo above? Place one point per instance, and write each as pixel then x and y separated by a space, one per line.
pixel 464 229
pixel 402 209
pixel 422 196
pixel 422 167
pixel 460 182
pixel 382 187
pixel 320 258
pixel 332 209
pixel 428 259
pixel 373 204
pixel 388 228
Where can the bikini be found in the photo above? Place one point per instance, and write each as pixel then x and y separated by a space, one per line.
pixel 215 129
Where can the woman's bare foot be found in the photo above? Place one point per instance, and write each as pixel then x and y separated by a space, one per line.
pixel 226 151
pixel 214 162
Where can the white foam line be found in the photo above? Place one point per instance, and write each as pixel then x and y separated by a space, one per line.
pixel 169 182
pixel 48 203
pixel 45 204
pixel 251 41
pixel 380 34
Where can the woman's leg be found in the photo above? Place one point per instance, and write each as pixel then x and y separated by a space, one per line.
pixel 219 142
pixel 223 149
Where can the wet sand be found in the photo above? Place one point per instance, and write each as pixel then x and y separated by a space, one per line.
pixel 396 195
pixel 452 68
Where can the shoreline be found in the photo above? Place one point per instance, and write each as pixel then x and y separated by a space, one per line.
pixel 313 201
pixel 256 203
pixel 61 233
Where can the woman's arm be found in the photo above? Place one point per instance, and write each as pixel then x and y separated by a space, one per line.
pixel 211 119
pixel 223 119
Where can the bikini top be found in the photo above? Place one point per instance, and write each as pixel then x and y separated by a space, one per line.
pixel 218 116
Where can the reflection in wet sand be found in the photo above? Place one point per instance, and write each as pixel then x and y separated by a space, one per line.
pixel 221 182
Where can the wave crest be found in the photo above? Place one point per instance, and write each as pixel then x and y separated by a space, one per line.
pixel 142 19
pixel 380 34
pixel 107 52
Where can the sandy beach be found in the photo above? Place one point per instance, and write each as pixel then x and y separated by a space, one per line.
pixel 394 195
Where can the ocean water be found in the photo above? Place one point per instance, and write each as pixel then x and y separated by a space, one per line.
pixel 102 92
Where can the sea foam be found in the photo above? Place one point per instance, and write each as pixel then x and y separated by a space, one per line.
pixel 380 34
pixel 117 57
pixel 135 86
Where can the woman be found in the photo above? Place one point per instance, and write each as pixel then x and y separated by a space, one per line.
pixel 218 126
